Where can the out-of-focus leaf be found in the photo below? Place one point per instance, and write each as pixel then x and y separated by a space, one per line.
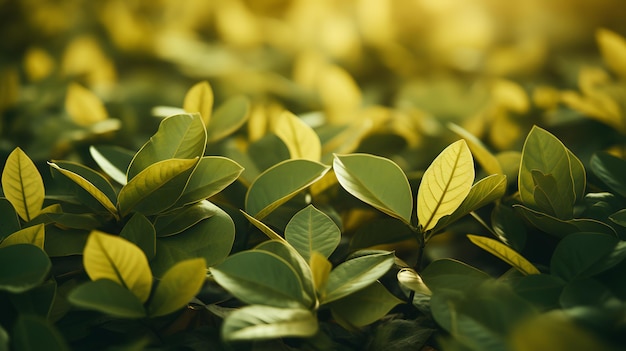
pixel 504 253
pixel 113 160
pixel 613 49
pixel 485 158
pixel 31 333
pixel 83 106
pixel 301 140
pixel 265 322
pixel 227 118
pixel 365 306
pixel 177 287
pixel 109 297
pixel 199 98
pixel 22 185
pixel 139 231
pixel 22 267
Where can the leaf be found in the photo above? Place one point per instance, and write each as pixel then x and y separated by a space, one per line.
pixel 387 189
pixel 212 175
pixel 577 253
pixel 137 192
pixel 104 194
pixel 410 279
pixel 445 184
pixel 562 228
pixel 611 171
pixel 449 274
pixel 504 253
pixel 263 228
pixel 301 140
pixel 260 277
pixel 365 306
pixel 9 219
pixel 37 301
pixel 179 137
pixel 280 183
pixel 380 232
pixel 312 230
pixel 83 106
pixel 227 118
pixel 34 235
pixel 111 257
pixel 177 287
pixel 540 289
pixel 199 98
pixel 613 49
pixel 4 340
pixel 22 267
pixel 484 157
pixel 320 270
pixel 355 274
pixel 107 296
pixel 33 333
pixel 175 222
pixel 265 322
pixel 509 227
pixel 139 231
pixel 547 197
pixel 22 185
pixel 113 160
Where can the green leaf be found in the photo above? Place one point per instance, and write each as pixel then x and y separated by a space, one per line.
pixel 263 228
pixel 300 139
pixel 445 184
pixel 562 228
pixel 410 279
pixel 365 306
pixel 139 231
pixel 212 175
pixel 34 333
pixel 34 235
pixel 611 170
pixel 280 183
pixel 504 253
pixel 320 270
pixel 144 192
pixel 199 98
pixel 98 193
pixel 175 222
pixel 108 297
pixel 22 267
pixel 312 230
pixel 577 253
pixel 386 188
pixel 261 277
pixel 509 227
pixel 22 185
pixel 355 274
pixel 380 232
pixel 4 340
pixel 64 242
pixel 540 289
pixel 37 301
pixel 113 160
pixel 619 217
pixel 484 157
pixel 177 287
pixel 266 322
pixel 211 239
pixel 448 274
pixel 9 219
pixel 547 197
pixel 180 136
pixel 227 118
pixel 111 257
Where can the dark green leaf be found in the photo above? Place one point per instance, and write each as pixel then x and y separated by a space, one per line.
pixel 562 228
pixel 448 274
pixel 9 219
pixel 543 290
pixel 577 253
pixel 365 306
pixel 139 231
pixel 36 301
pixel 611 170
pixel 22 267
pixel 108 297
pixel 177 221
pixel 509 227
pixel 380 232
pixel 33 333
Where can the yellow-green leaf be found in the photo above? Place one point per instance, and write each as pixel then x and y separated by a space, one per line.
pixel 199 98
pixel 34 235
pixel 410 279
pixel 504 253
pixel 486 159
pixel 320 270
pixel 83 106
pixel 445 184
pixel 22 185
pixel 613 48
pixel 97 194
pixel 301 140
pixel 111 257
pixel 264 228
pixel 178 286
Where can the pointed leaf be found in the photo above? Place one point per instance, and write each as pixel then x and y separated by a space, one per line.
pixel 83 106
pixel 410 279
pixel 312 230
pixel 562 228
pixel 547 197
pixel 301 140
pixel 504 253
pixel 212 175
pixel 199 98
pixel 263 228
pixel 227 118
pixel 177 221
pixel 485 158
pixel 33 333
pixel 265 322
pixel 260 277
pixel 365 306
pixel 449 274
pixel 177 287
pixel 376 181
pixel 108 297
pixel 613 48
pixel 111 257
pixel 445 184
pixel 280 183
pixel 22 185
pixel 138 190
pixel 113 160
pixel 139 231
pixel 22 267
pixel 320 270
pixel 355 274
pixel 180 136
pixel 34 235
pixel 611 170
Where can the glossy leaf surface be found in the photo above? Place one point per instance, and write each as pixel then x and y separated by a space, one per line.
pixel 365 306
pixel 300 139
pixel 504 253
pixel 210 176
pixel 177 287
pixel 113 161
pixel 265 322
pixel 22 185
pixel 34 235
pixel 312 230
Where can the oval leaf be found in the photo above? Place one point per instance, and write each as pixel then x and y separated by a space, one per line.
pixel 365 306
pixel 22 267
pixel 108 297
pixel 199 98
pixel 376 181
pixel 312 230
pixel 280 183
pixel 301 140
pixel 576 255
pixel 83 106
pixel 227 118
pixel 139 231
pixel 34 235
pixel 445 184
pixel 32 333
pixel 266 322
pixel 177 287
pixel 212 175
pixel 504 253
pixel 111 257
pixel 113 161
pixel 22 185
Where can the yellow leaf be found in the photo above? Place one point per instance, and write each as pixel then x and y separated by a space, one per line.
pixel 412 280
pixel 111 257
pixel 38 63
pixel 178 286
pixel 22 185
pixel 445 184
pixel 300 139
pixel 320 269
pixel 83 106
pixel 510 95
pixel 504 253
pixel 34 235
pixel 199 98
pixel 264 229
pixel 340 94
pixel 486 159
pixel 613 48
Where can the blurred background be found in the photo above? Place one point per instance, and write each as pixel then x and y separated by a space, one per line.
pixel 406 66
